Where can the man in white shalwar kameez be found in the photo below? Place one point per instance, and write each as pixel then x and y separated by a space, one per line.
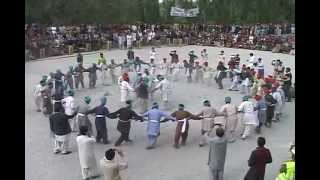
pixel 176 70
pixel 277 96
pixel 69 109
pixel 153 54
pixel 164 86
pixel 87 158
pixel 249 118
pixel 165 68
pixel 37 93
pixel 129 41
pixel 204 56
pixel 125 87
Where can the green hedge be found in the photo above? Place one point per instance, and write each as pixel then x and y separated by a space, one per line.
pixel 150 11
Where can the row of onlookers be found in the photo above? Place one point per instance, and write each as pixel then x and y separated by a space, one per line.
pixel 46 40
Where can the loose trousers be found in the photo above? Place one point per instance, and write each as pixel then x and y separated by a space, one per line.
pixel 152 140
pixel 215 174
pixel 79 80
pixel 61 143
pixel 203 138
pixel 247 129
pixel 89 172
pixel 179 134
pixel 102 131
pixel 143 105
pixel 123 137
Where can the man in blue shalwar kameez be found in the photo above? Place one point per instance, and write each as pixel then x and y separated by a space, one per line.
pixel 153 127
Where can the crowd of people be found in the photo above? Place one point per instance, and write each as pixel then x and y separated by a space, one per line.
pixel 51 40
pixel 263 99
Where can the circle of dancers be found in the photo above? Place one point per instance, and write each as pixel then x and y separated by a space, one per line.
pixel 263 98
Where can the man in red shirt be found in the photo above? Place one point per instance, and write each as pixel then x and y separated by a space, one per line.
pixel 258 160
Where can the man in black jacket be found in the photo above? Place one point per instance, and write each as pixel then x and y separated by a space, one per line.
pixel 125 114
pixel 60 127
pixel 221 74
pixel 101 113
pixel 271 102
pixel 287 83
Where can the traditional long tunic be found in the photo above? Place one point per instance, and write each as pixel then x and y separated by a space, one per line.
pixel 47 102
pixel 164 87
pixel 111 68
pixel 231 117
pixel 277 96
pixel 217 157
pixel 198 73
pixel 204 56
pixel 249 117
pixel 165 68
pixel 257 163
pixel 209 113
pixel 68 104
pixel 182 128
pixel 207 72
pixel 87 158
pixel 175 70
pixel 37 94
pixel 102 63
pixel 154 117
pixel 124 90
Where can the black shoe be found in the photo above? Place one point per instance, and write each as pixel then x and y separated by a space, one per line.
pixel 56 152
pixel 183 144
pixel 201 145
pixel 176 146
pixel 96 176
pixel 129 141
pixel 38 110
pixel 150 147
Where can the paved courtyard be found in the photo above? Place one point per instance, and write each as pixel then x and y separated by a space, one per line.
pixel 164 162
